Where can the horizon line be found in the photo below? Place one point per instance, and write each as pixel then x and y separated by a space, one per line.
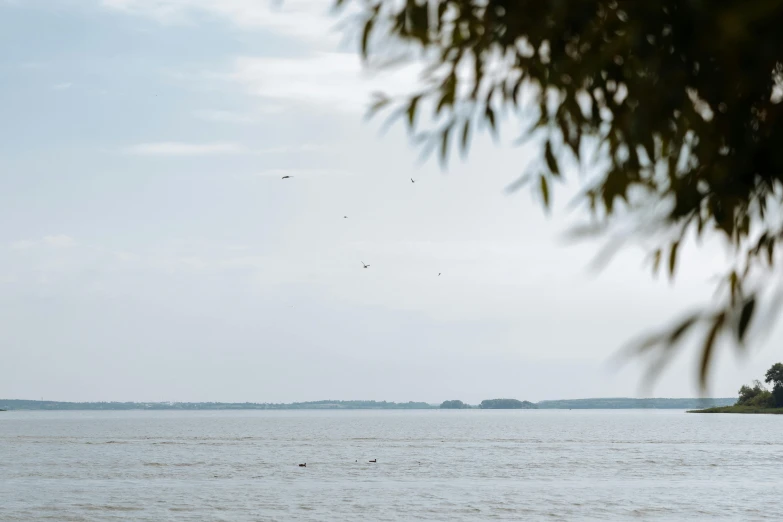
pixel 354 400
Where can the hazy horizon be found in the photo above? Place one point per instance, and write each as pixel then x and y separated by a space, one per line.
pixel 150 251
pixel 356 399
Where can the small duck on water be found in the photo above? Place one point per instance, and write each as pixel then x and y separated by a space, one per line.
pixel 303 465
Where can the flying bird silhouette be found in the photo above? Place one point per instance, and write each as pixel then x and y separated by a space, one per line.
pixel 412 181
pixel 286 177
pixel 438 274
pixel 364 265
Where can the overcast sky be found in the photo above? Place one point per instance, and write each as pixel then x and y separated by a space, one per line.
pixel 149 249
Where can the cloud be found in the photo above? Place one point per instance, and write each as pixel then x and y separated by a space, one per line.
pixel 306 19
pixel 56 241
pixel 320 78
pixel 175 148
pixel 326 80
pixel 62 86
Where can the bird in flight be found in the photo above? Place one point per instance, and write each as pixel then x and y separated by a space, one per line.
pixel 412 180
pixel 364 265
pixel 345 217
pixel 285 177
pixel 438 274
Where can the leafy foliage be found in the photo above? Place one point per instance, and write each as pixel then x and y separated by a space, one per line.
pixel 756 396
pixel 454 405
pixel 680 99
pixel 774 375
pixel 506 404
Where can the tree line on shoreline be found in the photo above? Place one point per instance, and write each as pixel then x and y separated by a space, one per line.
pixel 594 403
pixel 491 404
pixel 758 396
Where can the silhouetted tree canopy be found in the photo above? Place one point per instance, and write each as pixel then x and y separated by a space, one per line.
pixel 774 375
pixel 506 404
pixel 677 101
pixel 757 396
pixel 454 405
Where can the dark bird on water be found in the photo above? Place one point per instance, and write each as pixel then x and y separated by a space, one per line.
pixel 365 266
pixel 345 217
pixel 286 177
pixel 303 465
pixel 374 460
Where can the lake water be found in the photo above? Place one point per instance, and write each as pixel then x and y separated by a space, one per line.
pixel 432 465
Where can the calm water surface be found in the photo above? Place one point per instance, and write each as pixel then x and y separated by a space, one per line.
pixel 432 465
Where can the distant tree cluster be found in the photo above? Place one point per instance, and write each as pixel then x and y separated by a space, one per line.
pixel 623 403
pixel 491 404
pixel 311 405
pixel 454 405
pixel 755 395
pixel 759 396
pixel 506 404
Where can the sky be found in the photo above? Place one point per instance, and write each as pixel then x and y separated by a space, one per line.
pixel 150 251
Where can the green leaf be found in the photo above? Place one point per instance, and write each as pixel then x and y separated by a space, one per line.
pixel 444 143
pixel 683 327
pixel 595 111
pixel 551 162
pixel 490 115
pixel 735 288
pixel 366 36
pixel 649 146
pixel 515 91
pixel 656 261
pixel 745 316
pixel 380 102
pixel 465 136
pixel 709 344
pixel 770 250
pixel 411 112
pixel 545 191
pixel 442 7
pixel 760 243
pixel 673 258
pixel 449 92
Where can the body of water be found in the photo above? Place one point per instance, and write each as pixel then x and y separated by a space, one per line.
pixel 431 465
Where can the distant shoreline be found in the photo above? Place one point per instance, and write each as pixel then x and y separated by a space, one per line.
pixel 618 403
pixel 751 410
